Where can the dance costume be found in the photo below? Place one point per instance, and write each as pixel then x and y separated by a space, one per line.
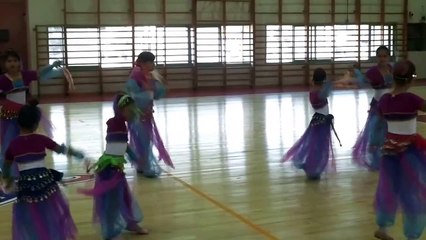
pixel 313 151
pixel 15 95
pixel 114 206
pixel 367 149
pixel 402 178
pixel 41 211
pixel 143 131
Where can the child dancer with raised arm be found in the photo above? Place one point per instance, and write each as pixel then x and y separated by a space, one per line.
pixel 14 88
pixel 367 149
pixel 313 151
pixel 41 211
pixel 144 86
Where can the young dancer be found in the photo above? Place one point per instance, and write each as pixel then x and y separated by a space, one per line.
pixel 367 149
pixel 114 206
pixel 402 179
pixel 144 89
pixel 14 86
pixel 41 211
pixel 313 151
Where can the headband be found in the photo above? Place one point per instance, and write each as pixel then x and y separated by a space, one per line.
pixel 405 78
pixel 124 101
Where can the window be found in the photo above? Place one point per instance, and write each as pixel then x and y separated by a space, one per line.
pixel 56 44
pixel 238 44
pixel 346 43
pixel 112 47
pixel 293 40
pixel 116 47
pixel 83 47
pixel 208 45
pixel 230 44
pixel 381 36
pixel 300 39
pixel 273 46
pixel 320 43
pixel 109 47
pixel 169 44
pixel 288 40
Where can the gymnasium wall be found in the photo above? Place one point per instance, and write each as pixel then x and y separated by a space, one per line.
pixel 418 8
pixel 257 61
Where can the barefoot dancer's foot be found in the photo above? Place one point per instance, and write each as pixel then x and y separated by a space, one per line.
pixel 136 229
pixel 379 234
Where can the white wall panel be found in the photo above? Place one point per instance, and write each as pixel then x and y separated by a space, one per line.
pixel 270 6
pixel 118 19
pixel 114 6
pixel 238 11
pixel 148 5
pixel 148 19
pixel 178 5
pixel 209 11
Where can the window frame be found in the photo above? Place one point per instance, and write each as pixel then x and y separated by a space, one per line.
pixel 391 43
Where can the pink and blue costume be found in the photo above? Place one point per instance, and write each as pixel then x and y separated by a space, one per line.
pixel 402 180
pixel 114 206
pixel 313 151
pixel 367 149
pixel 143 131
pixel 41 211
pixel 15 95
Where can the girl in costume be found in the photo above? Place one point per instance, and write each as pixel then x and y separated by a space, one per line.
pixel 144 86
pixel 367 149
pixel 402 175
pixel 313 151
pixel 41 211
pixel 114 206
pixel 14 88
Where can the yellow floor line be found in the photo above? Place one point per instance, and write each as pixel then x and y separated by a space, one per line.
pixel 228 210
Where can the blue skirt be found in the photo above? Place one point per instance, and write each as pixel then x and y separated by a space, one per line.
pixel 115 209
pixel 367 149
pixel 313 151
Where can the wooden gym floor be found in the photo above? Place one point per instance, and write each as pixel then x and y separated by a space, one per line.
pixel 228 182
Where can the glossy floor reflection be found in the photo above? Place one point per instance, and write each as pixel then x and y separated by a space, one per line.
pixel 228 182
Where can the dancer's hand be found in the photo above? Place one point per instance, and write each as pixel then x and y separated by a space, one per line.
pixel 57 63
pixel 88 165
pixel 7 184
pixel 75 153
pixel 356 65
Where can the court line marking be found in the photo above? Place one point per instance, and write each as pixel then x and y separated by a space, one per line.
pixel 222 206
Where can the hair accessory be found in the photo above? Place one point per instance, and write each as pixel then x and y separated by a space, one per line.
pixel 124 101
pixel 405 79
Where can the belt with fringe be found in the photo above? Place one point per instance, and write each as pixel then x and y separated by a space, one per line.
pixel 396 143
pixel 319 118
pixel 9 109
